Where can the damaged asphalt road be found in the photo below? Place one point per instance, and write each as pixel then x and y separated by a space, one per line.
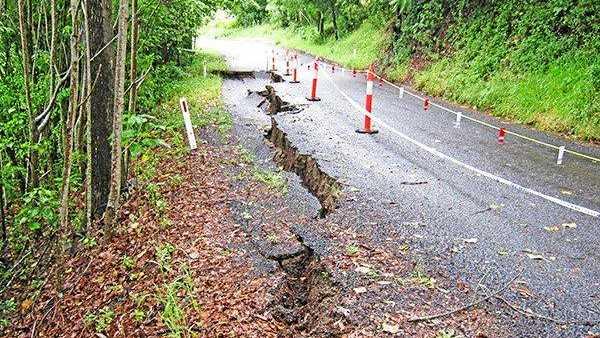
pixel 454 222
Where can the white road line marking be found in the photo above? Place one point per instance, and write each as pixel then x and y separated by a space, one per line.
pixel 437 153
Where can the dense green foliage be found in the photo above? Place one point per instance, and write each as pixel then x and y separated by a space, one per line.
pixel 30 209
pixel 532 61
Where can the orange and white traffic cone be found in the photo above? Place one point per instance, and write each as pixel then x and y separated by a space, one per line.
pixel 367 128
pixel 313 90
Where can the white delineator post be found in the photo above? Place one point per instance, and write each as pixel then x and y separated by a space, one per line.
pixel 401 93
pixel 561 153
pixel 458 118
pixel 204 69
pixel 273 60
pixel 187 121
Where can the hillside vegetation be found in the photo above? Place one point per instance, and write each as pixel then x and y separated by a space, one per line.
pixel 535 62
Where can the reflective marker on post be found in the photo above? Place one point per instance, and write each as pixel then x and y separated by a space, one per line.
pixel 401 94
pixel 501 135
pixel 561 153
pixel 188 123
pixel 458 118
pixel 295 70
pixel 313 90
pixel 367 129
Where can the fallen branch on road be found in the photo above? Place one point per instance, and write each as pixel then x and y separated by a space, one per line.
pixel 530 313
pixel 469 305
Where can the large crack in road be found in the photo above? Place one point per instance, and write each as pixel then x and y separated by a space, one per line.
pixel 383 179
pixel 324 187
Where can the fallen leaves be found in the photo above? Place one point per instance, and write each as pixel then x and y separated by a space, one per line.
pixel 553 228
pixel 360 290
pixel 26 304
pixel 557 228
pixel 390 328
pixel 538 256
pixel 363 269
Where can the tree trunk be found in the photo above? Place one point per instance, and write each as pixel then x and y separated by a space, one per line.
pixel 2 218
pixel 88 114
pixel 26 60
pixel 334 20
pixel 52 45
pixel 133 56
pixel 132 79
pixel 71 115
pixel 101 98
pixel 115 179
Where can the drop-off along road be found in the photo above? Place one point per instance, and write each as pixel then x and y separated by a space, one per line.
pixel 400 233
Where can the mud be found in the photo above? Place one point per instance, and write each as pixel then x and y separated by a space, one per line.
pixel 306 300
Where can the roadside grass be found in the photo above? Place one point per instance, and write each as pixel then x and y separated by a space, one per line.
pixel 204 99
pixel 274 180
pixel 203 95
pixel 101 320
pixel 560 99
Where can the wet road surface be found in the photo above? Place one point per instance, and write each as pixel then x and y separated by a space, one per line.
pixel 482 226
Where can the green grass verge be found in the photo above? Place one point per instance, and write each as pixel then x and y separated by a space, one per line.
pixel 556 100
pixel 202 93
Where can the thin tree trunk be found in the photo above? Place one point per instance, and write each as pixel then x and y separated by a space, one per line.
pixel 3 218
pixel 71 115
pixel 52 45
pixel 132 80
pixel 321 24
pixel 133 56
pixel 100 122
pixel 88 114
pixel 115 180
pixel 334 20
pixel 26 60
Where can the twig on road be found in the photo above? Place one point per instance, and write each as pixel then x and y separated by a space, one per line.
pixel 469 305
pixel 530 313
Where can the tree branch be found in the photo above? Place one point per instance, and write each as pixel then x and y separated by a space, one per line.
pixel 469 305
